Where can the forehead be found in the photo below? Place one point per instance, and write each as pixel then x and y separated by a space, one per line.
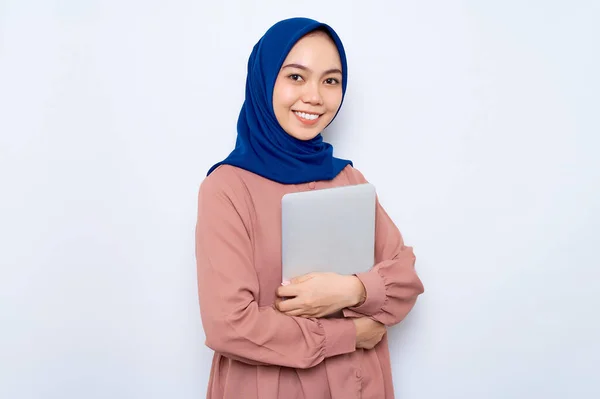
pixel 314 50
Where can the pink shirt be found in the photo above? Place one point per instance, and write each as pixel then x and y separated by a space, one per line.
pixel 264 354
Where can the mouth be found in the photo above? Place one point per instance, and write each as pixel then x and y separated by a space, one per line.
pixel 307 118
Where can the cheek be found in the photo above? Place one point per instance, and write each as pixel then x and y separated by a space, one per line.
pixel 289 97
pixel 333 100
pixel 283 97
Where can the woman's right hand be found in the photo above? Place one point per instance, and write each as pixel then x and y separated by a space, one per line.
pixel 368 332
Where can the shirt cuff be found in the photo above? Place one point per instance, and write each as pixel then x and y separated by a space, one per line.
pixel 340 336
pixel 375 290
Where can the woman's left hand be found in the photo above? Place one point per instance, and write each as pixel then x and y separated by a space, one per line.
pixel 319 294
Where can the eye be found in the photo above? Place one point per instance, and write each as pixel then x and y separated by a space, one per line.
pixel 332 81
pixel 295 77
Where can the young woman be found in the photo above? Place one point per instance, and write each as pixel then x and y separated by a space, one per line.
pixel 327 338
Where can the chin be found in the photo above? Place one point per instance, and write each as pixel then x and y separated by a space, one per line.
pixel 304 136
pixel 305 133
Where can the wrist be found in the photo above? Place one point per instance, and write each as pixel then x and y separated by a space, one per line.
pixel 357 291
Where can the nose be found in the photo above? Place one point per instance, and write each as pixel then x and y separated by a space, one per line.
pixel 312 94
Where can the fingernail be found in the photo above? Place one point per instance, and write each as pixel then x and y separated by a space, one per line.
pixel 285 282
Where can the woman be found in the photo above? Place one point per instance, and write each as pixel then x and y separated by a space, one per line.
pixel 266 347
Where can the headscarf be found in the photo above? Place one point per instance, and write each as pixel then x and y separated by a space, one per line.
pixel 262 146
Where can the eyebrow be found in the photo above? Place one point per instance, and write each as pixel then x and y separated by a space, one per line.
pixel 304 68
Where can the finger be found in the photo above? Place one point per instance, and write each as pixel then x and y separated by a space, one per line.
pixel 276 303
pixel 291 290
pixel 290 304
pixel 301 279
pixel 370 344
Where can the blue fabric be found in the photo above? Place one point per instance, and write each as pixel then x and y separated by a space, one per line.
pixel 262 146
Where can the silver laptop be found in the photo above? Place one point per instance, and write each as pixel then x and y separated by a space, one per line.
pixel 328 230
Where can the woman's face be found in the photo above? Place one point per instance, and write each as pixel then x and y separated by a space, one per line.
pixel 308 89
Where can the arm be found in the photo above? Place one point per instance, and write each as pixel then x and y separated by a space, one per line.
pixel 392 285
pixel 228 287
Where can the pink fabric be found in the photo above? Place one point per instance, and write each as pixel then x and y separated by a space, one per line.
pixel 261 353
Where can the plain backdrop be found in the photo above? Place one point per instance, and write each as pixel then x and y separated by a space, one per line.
pixel 476 120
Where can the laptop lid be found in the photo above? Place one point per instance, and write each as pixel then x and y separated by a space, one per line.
pixel 328 230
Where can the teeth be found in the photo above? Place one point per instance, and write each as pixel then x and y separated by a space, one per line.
pixel 310 117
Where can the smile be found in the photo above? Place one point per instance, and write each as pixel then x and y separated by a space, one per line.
pixel 306 118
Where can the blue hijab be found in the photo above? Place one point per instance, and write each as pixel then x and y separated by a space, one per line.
pixel 262 146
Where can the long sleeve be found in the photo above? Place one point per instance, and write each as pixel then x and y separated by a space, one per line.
pixel 234 324
pixel 392 285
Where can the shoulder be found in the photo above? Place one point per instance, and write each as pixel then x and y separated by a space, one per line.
pixel 354 174
pixel 223 184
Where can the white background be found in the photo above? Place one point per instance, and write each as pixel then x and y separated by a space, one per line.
pixel 476 120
